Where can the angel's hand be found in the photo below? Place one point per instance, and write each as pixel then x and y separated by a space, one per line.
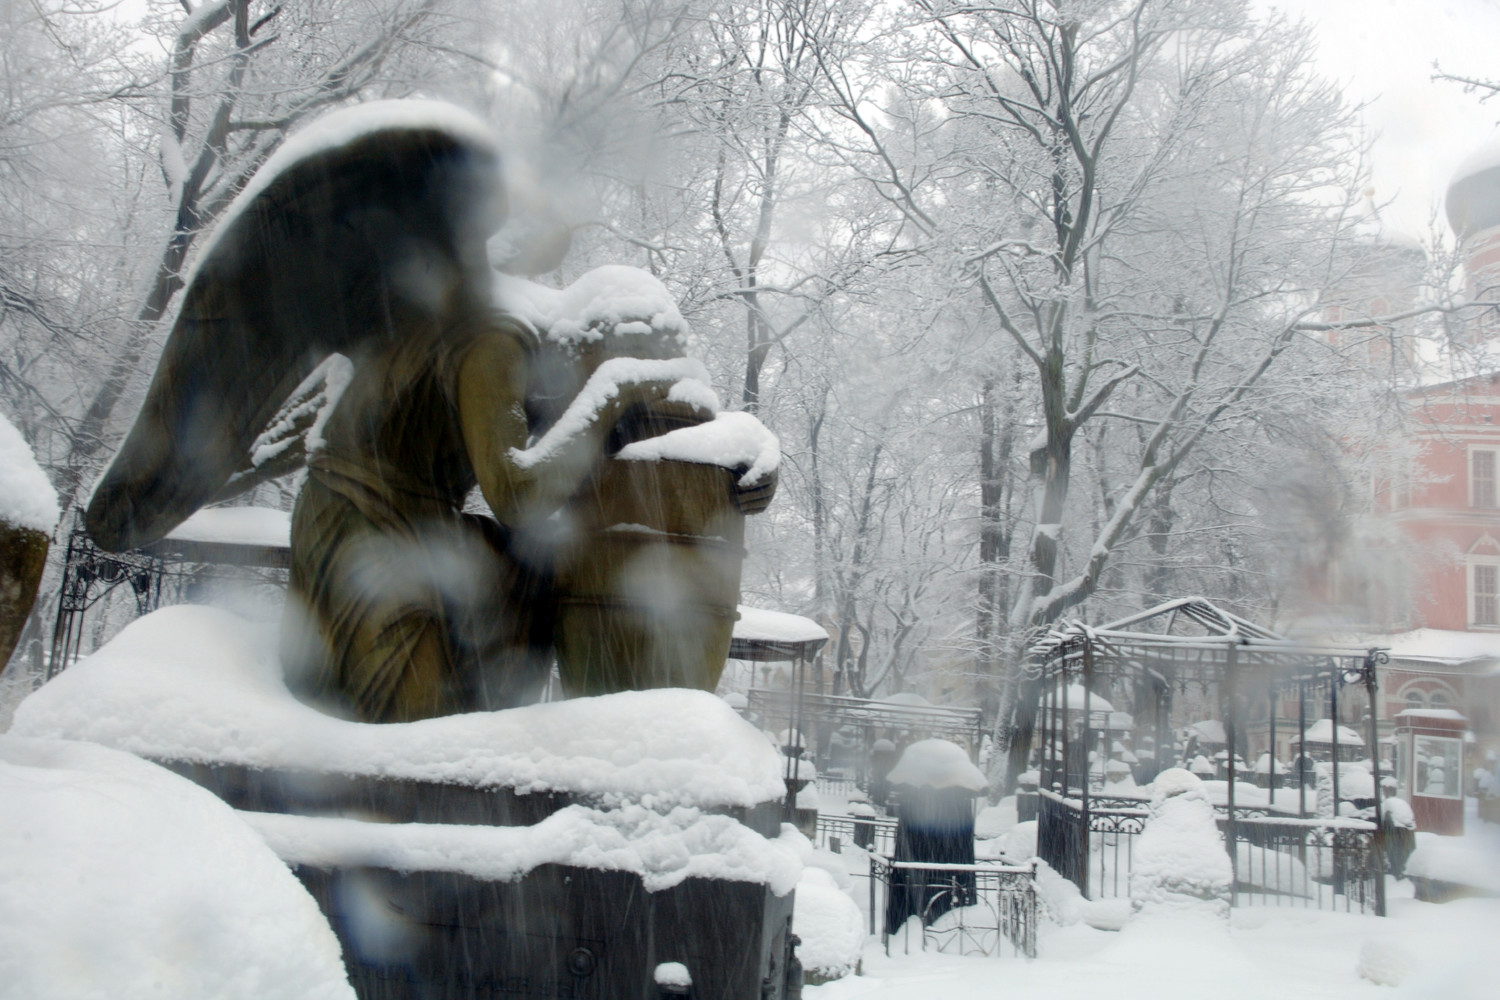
pixel 755 497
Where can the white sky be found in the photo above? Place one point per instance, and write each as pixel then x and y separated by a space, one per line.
pixel 1382 52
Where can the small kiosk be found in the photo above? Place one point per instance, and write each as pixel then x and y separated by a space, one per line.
pixel 1429 767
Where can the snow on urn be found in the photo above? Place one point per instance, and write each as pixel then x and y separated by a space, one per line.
pixel 28 512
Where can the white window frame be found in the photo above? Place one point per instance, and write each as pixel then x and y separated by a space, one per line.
pixel 1494 497
pixel 1447 743
pixel 1470 585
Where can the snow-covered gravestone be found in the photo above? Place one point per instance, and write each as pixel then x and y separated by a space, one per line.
pixel 1180 867
pixel 28 513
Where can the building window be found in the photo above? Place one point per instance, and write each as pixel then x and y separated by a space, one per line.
pixel 1437 759
pixel 1438 700
pixel 1482 477
pixel 1484 593
pixel 1414 699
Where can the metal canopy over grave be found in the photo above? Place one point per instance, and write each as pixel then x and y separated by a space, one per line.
pixel 1185 661
pixel 213 543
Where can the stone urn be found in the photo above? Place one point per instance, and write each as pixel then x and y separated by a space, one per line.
pixel 648 586
pixel 23 556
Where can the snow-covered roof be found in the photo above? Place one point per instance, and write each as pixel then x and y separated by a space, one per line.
pixel 1209 731
pixel 1473 199
pixel 1197 610
pixel 123 879
pixel 236 526
pixel 909 699
pixel 1445 645
pixel 194 683
pixel 769 636
pixel 777 626
pixel 27 498
pixel 1446 714
pixel 937 764
pixel 1074 697
pixel 1322 732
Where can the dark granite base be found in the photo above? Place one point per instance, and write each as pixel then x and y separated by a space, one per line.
pixel 559 932
pixel 315 793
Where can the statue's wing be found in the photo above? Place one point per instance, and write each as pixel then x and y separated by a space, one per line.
pixel 346 237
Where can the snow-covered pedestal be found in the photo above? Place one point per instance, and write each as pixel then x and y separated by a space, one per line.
pixel 558 850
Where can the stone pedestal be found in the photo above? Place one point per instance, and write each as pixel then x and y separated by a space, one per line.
pixel 23 556
pixel 559 931
pixel 566 849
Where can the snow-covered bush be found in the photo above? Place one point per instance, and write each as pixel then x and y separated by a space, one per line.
pixel 1180 864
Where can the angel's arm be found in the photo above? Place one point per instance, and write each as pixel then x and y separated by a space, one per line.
pixel 522 485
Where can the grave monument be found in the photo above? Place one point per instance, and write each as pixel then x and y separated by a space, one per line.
pixel 616 492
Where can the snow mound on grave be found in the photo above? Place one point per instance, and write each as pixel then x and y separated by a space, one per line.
pixel 663 849
pixel 1472 860
pixel 1386 960
pixel 119 879
pixel 27 498
pixel 937 764
pixel 193 683
pixel 826 918
pixel 830 926
pixel 1180 865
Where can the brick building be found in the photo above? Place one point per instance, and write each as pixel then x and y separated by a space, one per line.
pixel 1429 587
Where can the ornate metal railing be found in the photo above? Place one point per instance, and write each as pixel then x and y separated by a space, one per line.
pixel 165 572
pixel 1328 864
pixel 965 909
pixel 873 833
pixel 1321 863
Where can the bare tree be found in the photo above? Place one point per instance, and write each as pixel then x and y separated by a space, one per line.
pixel 239 76
pixel 1146 194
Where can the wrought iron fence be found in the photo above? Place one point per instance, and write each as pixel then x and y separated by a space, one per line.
pixel 874 833
pixel 1318 863
pixel 1328 864
pixel 837 786
pixel 965 909
pixel 1116 704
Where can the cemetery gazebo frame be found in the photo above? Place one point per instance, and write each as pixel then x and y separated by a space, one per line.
pixel 1232 665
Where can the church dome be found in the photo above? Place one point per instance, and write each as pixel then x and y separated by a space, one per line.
pixel 1473 200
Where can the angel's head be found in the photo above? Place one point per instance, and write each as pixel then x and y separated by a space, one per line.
pixel 610 312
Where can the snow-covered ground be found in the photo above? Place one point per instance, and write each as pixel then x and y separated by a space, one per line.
pixel 1423 949
pixel 1442 951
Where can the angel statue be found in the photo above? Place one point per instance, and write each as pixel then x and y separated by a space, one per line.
pixel 618 490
